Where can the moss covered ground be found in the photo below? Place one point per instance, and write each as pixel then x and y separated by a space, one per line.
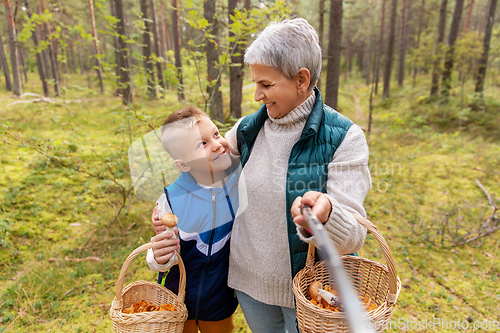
pixel 64 178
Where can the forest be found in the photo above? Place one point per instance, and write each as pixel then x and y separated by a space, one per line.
pixel 80 81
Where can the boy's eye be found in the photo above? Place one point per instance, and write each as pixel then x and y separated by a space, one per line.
pixel 216 135
pixel 202 144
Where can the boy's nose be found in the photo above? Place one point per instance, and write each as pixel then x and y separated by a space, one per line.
pixel 216 146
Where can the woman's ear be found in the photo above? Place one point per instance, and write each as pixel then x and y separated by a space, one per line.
pixel 181 165
pixel 303 79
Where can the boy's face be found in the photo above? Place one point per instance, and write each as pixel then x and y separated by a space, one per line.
pixel 205 151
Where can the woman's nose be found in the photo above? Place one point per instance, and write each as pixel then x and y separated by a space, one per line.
pixel 258 95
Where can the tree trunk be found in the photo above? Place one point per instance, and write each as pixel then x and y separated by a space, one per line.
pixel 380 46
pixel 165 36
pixel 157 45
pixel 39 60
pixel 334 52
pixel 390 50
pixel 420 27
pixel 96 45
pixel 235 69
pixel 483 62
pixel 116 44
pixel 177 48
pixel 366 60
pixel 347 50
pixel 321 31
pixel 23 64
pixel 14 57
pixel 452 37
pixel 468 16
pixel 80 58
pixel 125 79
pixel 437 56
pixel 5 66
pixel 213 66
pixel 52 52
pixel 146 50
pixel 402 43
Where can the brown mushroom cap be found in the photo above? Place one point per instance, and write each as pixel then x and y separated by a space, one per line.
pixel 313 289
pixel 169 220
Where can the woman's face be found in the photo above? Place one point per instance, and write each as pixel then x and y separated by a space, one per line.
pixel 280 94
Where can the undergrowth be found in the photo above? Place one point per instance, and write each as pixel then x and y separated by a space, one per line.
pixel 61 202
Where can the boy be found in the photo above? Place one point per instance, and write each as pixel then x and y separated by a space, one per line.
pixel 204 198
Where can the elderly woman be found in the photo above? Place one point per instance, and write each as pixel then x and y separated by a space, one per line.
pixel 294 150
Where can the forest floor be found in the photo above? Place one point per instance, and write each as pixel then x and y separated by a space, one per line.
pixel 65 175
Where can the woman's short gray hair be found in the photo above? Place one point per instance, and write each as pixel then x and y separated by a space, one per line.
pixel 288 46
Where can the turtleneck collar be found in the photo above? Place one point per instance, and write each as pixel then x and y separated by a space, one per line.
pixel 297 116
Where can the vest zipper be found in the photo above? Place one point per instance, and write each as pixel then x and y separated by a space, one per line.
pixel 210 243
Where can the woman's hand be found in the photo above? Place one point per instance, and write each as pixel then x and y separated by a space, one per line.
pixel 321 207
pixel 164 246
pixel 155 219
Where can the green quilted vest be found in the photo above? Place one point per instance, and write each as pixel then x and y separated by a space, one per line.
pixel 323 133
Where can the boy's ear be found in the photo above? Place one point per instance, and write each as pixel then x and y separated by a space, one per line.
pixel 181 165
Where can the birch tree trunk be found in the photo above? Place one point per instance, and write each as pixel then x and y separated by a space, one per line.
pixel 334 53
pixel 450 53
pixel 390 50
pixel 14 57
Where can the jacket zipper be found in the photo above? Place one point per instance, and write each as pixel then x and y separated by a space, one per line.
pixel 202 275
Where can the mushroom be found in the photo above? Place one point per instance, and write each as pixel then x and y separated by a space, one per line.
pixel 313 290
pixel 170 221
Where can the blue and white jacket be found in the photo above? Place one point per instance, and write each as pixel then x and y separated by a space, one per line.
pixel 205 221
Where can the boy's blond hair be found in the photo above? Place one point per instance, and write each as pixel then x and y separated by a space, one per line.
pixel 183 119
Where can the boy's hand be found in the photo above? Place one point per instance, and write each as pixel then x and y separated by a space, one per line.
pixel 321 207
pixel 164 246
pixel 155 219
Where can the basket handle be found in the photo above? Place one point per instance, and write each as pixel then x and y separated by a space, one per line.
pixel 391 265
pixel 119 283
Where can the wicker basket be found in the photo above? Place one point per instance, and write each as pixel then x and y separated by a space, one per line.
pixel 369 278
pixel 151 322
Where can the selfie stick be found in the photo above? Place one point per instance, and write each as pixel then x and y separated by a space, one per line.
pixel 356 316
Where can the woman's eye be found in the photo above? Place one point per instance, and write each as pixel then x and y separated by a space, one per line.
pixel 202 144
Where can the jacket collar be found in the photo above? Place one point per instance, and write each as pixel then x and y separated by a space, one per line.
pixel 311 127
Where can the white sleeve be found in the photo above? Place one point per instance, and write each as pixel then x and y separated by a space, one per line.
pixel 348 184
pixel 163 208
pixel 154 266
pixel 231 137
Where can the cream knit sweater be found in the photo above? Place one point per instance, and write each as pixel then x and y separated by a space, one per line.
pixel 259 263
